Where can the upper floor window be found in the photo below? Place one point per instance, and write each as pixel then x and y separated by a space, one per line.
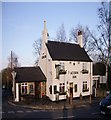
pixel 84 68
pixel 60 69
pixel 57 67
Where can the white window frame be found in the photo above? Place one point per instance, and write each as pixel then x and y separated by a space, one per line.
pixel 24 86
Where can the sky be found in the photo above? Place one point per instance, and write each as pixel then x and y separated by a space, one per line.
pixel 23 22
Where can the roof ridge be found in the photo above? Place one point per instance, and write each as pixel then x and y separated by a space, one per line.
pixel 27 67
pixel 63 42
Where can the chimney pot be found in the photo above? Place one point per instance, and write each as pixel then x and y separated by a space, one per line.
pixel 79 32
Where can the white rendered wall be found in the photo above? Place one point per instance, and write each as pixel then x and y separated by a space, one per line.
pixel 69 67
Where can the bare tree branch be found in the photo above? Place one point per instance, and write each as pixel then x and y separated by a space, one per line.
pixel 61 34
pixel 37 48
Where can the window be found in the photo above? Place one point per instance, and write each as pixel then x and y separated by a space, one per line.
pixel 62 66
pixel 57 71
pixel 62 88
pixel 84 68
pixel 31 89
pixel 43 55
pixel 62 69
pixel 50 89
pixel 55 89
pixel 24 88
pixel 85 89
pixel 75 87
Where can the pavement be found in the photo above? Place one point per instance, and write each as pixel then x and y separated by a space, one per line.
pixel 46 104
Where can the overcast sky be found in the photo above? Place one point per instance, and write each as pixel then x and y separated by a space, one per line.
pixel 22 24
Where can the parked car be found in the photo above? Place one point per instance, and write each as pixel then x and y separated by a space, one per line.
pixel 105 105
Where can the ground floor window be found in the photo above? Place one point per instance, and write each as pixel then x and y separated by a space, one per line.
pixel 55 89
pixel 85 88
pixel 50 89
pixel 27 88
pixel 62 88
pixel 24 88
pixel 31 88
pixel 96 83
pixel 75 87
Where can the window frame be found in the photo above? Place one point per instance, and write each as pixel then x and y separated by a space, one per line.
pixel 75 88
pixel 62 89
pixel 55 89
pixel 85 87
pixel 24 88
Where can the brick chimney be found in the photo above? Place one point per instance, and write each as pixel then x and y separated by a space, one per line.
pixel 80 39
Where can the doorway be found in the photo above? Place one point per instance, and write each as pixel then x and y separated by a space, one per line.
pixel 71 89
pixel 71 92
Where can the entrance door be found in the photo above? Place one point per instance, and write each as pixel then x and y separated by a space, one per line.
pixel 71 92
pixel 71 89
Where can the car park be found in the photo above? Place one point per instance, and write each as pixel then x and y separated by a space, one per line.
pixel 105 105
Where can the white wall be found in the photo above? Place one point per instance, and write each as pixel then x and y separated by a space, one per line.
pixel 69 67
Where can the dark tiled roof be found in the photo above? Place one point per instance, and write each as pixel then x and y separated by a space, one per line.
pixel 67 51
pixel 99 69
pixel 29 74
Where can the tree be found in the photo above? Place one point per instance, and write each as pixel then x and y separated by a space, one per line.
pixel 6 78
pixel 61 34
pixel 102 40
pixel 37 48
pixel 13 60
pixel 87 40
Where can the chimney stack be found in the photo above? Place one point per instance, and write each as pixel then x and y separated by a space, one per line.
pixel 80 39
pixel 44 33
